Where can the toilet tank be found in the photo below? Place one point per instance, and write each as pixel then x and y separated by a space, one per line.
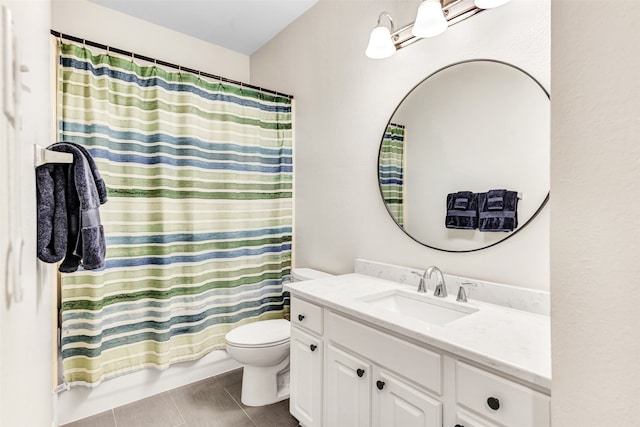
pixel 301 274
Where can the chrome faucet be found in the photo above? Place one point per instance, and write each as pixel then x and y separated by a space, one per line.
pixel 441 288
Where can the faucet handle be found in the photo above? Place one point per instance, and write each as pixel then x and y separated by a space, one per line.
pixel 462 293
pixel 422 287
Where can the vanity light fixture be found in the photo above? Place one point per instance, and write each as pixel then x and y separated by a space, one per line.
pixel 380 41
pixel 433 18
pixel 430 20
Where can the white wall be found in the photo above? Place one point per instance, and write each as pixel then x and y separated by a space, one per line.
pixel 26 327
pixel 343 102
pixel 90 21
pixel 595 171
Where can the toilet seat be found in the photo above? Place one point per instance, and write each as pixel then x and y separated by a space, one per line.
pixel 263 333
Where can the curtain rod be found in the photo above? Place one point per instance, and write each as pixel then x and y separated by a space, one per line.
pixel 163 63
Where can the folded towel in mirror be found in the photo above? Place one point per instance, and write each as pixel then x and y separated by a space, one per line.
pixel 462 210
pixel 495 199
pixel 492 218
pixel 461 201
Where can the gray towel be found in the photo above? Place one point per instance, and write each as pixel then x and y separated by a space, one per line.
pixel 69 197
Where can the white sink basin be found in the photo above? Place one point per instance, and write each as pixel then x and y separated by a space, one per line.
pixel 417 306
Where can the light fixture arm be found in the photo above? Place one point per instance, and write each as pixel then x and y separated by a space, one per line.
pixel 388 16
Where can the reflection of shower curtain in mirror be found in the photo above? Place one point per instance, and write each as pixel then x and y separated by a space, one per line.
pixel 390 170
pixel 198 222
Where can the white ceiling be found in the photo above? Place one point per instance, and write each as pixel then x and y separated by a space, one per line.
pixel 239 25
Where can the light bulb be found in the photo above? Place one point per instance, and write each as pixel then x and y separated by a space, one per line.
pixel 380 44
pixel 430 20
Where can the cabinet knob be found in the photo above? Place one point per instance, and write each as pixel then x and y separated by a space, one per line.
pixel 360 372
pixel 459 425
pixel 300 317
pixel 493 403
pixel 313 347
pixel 380 384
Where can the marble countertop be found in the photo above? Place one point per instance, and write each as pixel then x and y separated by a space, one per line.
pixel 514 342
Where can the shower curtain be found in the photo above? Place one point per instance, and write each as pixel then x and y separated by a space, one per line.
pixel 391 170
pixel 199 219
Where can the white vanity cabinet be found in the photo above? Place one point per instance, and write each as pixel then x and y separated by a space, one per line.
pixel 370 376
pixel 306 373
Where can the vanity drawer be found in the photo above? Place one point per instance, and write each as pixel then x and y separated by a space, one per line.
pixel 500 400
pixel 465 419
pixel 307 315
pixel 417 364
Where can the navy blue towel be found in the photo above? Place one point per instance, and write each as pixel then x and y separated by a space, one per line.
pixel 498 210
pixel 462 210
pixel 69 197
pixel 495 200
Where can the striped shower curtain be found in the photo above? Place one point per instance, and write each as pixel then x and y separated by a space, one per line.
pixel 198 222
pixel 391 171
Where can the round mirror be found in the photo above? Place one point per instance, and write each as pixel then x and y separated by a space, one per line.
pixel 474 126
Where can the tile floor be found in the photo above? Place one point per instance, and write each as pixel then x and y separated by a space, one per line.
pixel 214 402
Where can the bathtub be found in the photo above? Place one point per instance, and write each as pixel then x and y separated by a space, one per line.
pixel 81 402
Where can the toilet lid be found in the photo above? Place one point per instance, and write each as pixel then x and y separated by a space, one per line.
pixel 262 333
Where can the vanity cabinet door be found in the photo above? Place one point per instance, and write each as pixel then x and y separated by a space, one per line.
pixel 348 389
pixel 305 402
pixel 397 403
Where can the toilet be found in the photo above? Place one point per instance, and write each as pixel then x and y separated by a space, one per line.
pixel 263 349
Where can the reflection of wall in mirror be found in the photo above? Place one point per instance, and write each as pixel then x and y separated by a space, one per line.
pixel 474 126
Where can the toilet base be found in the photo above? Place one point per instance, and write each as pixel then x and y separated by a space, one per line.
pixel 263 386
